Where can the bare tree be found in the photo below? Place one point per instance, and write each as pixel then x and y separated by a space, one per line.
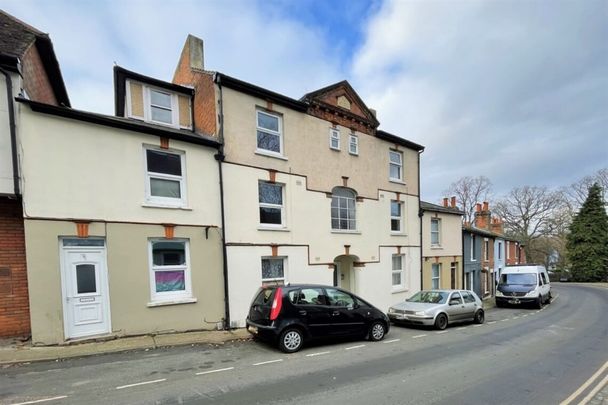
pixel 535 215
pixel 469 191
pixel 577 192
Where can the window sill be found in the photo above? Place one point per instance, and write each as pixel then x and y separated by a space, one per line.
pixel 397 181
pixel 272 228
pixel 270 154
pixel 345 231
pixel 335 149
pixel 173 302
pixel 436 247
pixel 398 233
pixel 174 207
pixel 399 290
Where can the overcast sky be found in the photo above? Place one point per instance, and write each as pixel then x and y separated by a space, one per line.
pixel 513 90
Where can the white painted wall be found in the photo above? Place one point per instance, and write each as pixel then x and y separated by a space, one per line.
pixel 74 169
pixel 6 159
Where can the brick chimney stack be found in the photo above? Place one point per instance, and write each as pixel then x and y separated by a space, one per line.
pixel 482 216
pixel 497 226
pixel 445 202
pixel 453 201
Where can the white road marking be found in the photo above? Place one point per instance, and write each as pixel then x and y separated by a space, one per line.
pixel 505 320
pixel 418 336
pixel 516 317
pixel 491 322
pixel 267 362
pixel 392 341
pixel 477 326
pixel 523 316
pixel 141 383
pixel 215 371
pixel 585 385
pixel 317 354
pixel 461 328
pixel 554 298
pixel 42 400
pixel 441 332
pixel 354 347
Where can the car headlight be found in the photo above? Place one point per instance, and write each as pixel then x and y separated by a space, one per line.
pixel 391 310
pixel 419 313
pixel 499 293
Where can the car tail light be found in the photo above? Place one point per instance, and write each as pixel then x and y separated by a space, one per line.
pixel 277 303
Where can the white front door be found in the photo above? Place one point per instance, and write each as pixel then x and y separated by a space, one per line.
pixel 85 291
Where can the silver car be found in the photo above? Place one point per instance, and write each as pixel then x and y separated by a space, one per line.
pixel 438 308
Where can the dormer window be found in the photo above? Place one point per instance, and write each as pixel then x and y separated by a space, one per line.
pixel 158 105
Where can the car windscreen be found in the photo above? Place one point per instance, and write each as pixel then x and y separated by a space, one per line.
pixel 429 297
pixel 518 278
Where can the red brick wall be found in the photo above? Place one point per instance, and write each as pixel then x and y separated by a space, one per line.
pixel 204 93
pixel 35 80
pixel 14 301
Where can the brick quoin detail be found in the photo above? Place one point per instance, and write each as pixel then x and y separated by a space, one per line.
pixel 14 299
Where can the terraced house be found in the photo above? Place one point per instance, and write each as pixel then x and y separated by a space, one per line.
pixel 313 191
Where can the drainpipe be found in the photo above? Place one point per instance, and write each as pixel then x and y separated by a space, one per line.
pixel 420 217
pixel 220 158
pixel 11 120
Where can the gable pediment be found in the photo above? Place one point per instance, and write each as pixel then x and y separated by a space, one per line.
pixel 341 99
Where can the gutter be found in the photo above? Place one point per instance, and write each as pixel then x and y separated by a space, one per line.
pixel 220 158
pixel 12 130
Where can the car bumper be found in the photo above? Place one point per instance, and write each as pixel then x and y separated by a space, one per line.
pixel 516 300
pixel 411 319
pixel 261 331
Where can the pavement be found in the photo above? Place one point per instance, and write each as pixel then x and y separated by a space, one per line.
pixel 16 351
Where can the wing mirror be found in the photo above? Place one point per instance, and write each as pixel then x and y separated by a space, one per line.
pixel 455 302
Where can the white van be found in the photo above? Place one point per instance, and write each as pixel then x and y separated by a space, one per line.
pixel 523 284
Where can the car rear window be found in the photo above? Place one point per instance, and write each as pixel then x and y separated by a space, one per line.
pixel 264 296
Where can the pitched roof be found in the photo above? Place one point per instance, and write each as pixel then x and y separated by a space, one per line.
pixel 427 206
pixel 16 37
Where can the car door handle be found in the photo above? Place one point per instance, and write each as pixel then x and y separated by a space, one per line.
pixel 302 312
pixel 335 313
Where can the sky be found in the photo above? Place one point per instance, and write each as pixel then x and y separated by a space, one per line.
pixel 516 91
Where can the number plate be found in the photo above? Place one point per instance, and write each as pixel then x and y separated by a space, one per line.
pixel 253 329
pixel 515 301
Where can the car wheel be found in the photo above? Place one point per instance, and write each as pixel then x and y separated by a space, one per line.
pixel 291 340
pixel 376 331
pixel 499 304
pixel 441 322
pixel 539 302
pixel 479 317
pixel 549 298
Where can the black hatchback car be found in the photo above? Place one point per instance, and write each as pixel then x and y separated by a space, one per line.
pixel 293 314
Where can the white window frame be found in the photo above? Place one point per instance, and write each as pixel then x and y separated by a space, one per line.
pixel 438 277
pixel 278 133
pixel 170 296
pixel 399 165
pixel 165 201
pixel 334 135
pixel 397 218
pixel 276 280
pixel 438 221
pixel 400 271
pixel 276 206
pixel 473 238
pixel 508 248
pixel 147 100
pixel 353 140
pixel 338 197
pixel 486 247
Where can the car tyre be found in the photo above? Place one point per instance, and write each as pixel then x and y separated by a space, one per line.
pixel 291 340
pixel 377 331
pixel 479 317
pixel 499 304
pixel 539 302
pixel 441 322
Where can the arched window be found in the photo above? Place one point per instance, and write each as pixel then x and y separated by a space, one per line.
pixel 343 209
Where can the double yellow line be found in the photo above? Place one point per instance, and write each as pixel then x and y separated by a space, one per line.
pixel 586 385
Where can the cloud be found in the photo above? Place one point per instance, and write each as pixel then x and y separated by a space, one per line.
pixel 516 91
pixel 242 38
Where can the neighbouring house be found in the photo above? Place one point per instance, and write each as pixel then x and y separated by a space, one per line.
pixel 487 250
pixel 122 216
pixel 313 191
pixel 442 265
pixel 29 67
